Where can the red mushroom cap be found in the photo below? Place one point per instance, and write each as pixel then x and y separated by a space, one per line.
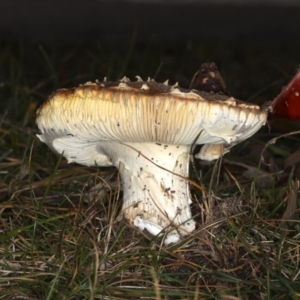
pixel 287 104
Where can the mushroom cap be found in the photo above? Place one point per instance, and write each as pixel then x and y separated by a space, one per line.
pixel 141 111
pixel 287 104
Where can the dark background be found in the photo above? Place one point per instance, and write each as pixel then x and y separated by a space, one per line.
pixel 113 22
pixel 256 46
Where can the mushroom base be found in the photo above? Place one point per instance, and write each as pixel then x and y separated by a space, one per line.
pixel 155 189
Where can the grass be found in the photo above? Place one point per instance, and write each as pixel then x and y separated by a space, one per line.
pixel 60 236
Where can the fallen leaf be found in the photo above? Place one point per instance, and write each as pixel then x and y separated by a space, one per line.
pixel 292 159
pixel 288 215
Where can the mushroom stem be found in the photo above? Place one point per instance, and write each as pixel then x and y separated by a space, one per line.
pixel 155 191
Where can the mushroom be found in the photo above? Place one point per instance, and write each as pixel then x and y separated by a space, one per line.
pixel 146 130
pixel 287 104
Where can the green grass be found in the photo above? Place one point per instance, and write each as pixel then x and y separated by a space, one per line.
pixel 60 238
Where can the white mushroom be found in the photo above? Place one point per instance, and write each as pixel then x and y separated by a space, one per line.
pixel 146 129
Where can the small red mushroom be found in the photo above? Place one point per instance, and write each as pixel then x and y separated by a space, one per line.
pixel 287 104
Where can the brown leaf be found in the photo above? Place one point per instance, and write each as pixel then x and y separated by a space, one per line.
pixel 292 159
pixel 291 208
pixel 238 169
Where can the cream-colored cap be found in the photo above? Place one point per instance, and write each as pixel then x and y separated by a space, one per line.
pixel 142 111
